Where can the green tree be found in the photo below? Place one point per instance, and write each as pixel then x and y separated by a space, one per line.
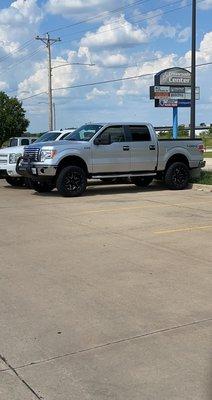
pixel 182 132
pixel 12 118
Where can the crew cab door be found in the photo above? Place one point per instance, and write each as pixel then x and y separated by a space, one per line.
pixel 111 151
pixel 143 148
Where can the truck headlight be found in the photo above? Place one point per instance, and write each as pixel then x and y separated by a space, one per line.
pixel 47 154
pixel 13 158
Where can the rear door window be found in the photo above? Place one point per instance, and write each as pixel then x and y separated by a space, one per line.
pixel 139 133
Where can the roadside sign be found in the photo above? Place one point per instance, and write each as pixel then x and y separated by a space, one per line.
pixel 173 92
pixel 172 88
pixel 173 77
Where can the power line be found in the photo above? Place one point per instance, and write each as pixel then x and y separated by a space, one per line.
pixel 138 2
pixel 106 81
pixel 22 47
pixel 119 26
pixel 11 66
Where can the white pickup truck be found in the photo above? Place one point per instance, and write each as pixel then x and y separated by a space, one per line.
pixel 10 155
pixel 112 150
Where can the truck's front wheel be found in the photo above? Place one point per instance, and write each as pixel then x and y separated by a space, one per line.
pixel 177 176
pixel 71 181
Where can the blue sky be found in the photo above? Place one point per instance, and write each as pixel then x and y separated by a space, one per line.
pixel 122 38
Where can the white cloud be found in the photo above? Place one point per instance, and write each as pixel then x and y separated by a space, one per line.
pixel 140 87
pixel 184 35
pixel 115 33
pixel 96 93
pixel 204 54
pixel 37 81
pixel 156 27
pixel 3 85
pixel 81 8
pixel 18 23
pixel 205 5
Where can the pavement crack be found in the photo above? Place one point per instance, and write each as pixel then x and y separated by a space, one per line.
pixel 114 342
pixel 20 378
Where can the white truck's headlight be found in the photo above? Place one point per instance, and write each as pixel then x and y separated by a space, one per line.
pixel 13 158
pixel 47 154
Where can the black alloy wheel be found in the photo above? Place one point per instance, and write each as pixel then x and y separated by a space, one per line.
pixel 71 181
pixel 177 176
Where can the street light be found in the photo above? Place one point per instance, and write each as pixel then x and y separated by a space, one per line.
pixel 54 112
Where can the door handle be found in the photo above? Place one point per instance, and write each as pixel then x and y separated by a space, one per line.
pixel 152 147
pixel 126 148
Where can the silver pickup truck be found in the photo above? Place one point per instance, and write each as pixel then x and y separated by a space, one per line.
pixel 112 150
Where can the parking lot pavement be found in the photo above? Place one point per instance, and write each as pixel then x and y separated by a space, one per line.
pixel 106 296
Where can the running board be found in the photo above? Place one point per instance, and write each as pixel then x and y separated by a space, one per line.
pixel 122 175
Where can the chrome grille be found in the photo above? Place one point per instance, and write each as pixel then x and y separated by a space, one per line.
pixel 3 158
pixel 31 154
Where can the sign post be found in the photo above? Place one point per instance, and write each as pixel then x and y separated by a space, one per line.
pixel 175 122
pixel 172 88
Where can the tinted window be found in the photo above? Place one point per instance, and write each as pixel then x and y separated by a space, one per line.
pixel 24 142
pixel 139 133
pixel 13 142
pixel 84 133
pixel 114 133
pixel 48 137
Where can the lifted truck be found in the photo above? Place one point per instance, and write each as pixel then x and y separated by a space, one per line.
pixel 112 150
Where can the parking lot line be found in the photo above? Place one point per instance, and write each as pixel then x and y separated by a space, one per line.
pixel 186 229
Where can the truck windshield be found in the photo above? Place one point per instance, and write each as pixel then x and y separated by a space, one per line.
pixel 13 142
pixel 84 133
pixel 48 137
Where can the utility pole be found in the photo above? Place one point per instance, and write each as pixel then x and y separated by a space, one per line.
pixel 54 116
pixel 48 42
pixel 193 71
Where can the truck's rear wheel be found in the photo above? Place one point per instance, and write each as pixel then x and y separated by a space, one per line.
pixel 177 176
pixel 41 187
pixel 71 181
pixel 18 182
pixel 142 181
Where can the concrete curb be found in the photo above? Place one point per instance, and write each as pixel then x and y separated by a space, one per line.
pixel 203 188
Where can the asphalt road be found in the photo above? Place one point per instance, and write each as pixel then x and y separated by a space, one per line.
pixel 107 296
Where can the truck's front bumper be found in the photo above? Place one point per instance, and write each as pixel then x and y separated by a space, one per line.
pixel 35 171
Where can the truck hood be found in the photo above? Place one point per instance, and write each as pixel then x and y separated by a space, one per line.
pixel 10 150
pixel 57 144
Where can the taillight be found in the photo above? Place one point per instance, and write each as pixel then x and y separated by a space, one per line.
pixel 200 147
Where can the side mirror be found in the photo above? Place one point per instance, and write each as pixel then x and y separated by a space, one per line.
pixel 104 140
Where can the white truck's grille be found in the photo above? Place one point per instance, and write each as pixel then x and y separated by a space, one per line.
pixel 3 158
pixel 31 154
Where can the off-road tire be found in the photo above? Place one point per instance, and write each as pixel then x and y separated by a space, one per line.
pixel 142 181
pixel 71 181
pixel 177 176
pixel 41 187
pixel 16 182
